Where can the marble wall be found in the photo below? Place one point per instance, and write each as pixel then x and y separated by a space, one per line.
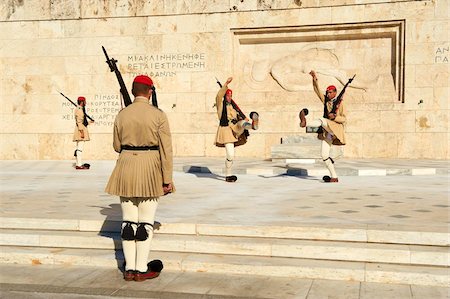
pixel 398 106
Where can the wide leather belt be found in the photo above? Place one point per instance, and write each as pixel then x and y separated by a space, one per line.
pixel 139 148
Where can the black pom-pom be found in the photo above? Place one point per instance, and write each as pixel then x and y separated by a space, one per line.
pixel 253 113
pixel 128 232
pixel 141 233
pixel 155 266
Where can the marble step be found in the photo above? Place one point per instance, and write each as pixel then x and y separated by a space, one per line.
pixel 307 249
pixel 431 236
pixel 301 147
pixel 295 151
pixel 236 264
pixel 308 139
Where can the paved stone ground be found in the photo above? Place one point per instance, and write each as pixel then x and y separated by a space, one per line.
pixel 53 189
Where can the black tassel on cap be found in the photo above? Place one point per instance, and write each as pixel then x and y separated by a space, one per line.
pixel 154 99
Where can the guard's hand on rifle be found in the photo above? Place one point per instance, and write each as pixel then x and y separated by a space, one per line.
pixel 81 134
pixel 167 188
pixel 91 121
pixel 331 116
pixel 229 80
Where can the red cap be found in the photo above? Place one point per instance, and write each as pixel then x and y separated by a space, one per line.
pixel 229 91
pixel 331 87
pixel 144 80
pixel 81 99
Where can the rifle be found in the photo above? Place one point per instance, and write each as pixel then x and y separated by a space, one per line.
pixel 75 105
pixel 218 82
pixel 113 67
pixel 339 97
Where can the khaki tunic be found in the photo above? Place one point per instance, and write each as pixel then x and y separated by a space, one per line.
pixel 141 173
pixel 79 116
pixel 337 125
pixel 233 132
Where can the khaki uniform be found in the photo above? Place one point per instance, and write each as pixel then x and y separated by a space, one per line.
pixel 337 125
pixel 141 173
pixel 233 133
pixel 79 116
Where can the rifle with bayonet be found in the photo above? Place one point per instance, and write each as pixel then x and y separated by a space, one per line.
pixel 75 105
pixel 341 94
pixel 113 67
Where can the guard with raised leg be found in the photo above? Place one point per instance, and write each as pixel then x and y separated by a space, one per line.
pixel 331 124
pixel 233 126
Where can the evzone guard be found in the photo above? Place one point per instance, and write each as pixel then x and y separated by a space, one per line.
pixel 233 126
pixel 143 173
pixel 331 124
pixel 81 133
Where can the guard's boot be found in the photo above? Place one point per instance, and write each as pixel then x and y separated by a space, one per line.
pixel 328 179
pixel 87 165
pixel 141 276
pixel 128 275
pixel 303 113
pixel 231 178
pixel 154 268
pixel 255 120
pixel 81 167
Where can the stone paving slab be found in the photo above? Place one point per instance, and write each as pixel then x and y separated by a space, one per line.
pixel 93 282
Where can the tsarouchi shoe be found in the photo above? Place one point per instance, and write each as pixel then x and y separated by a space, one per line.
pixel 255 120
pixel 303 113
pixel 328 179
pixel 231 179
pixel 81 167
pixel 141 276
pixel 128 275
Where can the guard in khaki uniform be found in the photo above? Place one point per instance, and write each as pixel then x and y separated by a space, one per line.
pixel 142 174
pixel 233 126
pixel 81 133
pixel 332 124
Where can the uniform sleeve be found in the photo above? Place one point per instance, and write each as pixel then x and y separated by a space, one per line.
pixel 341 114
pixel 116 138
pixel 79 116
pixel 219 99
pixel 317 90
pixel 165 149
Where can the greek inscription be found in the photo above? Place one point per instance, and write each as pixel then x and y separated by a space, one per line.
pixel 165 65
pixel 441 55
pixel 103 108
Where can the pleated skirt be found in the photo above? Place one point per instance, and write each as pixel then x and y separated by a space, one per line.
pixel 227 135
pixel 137 174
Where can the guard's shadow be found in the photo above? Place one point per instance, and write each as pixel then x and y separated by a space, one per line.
pixel 111 228
pixel 202 172
pixel 300 173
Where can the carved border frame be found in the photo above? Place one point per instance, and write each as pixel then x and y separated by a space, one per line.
pixel 391 29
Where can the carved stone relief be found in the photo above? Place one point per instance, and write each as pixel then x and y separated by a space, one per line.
pixel 282 58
